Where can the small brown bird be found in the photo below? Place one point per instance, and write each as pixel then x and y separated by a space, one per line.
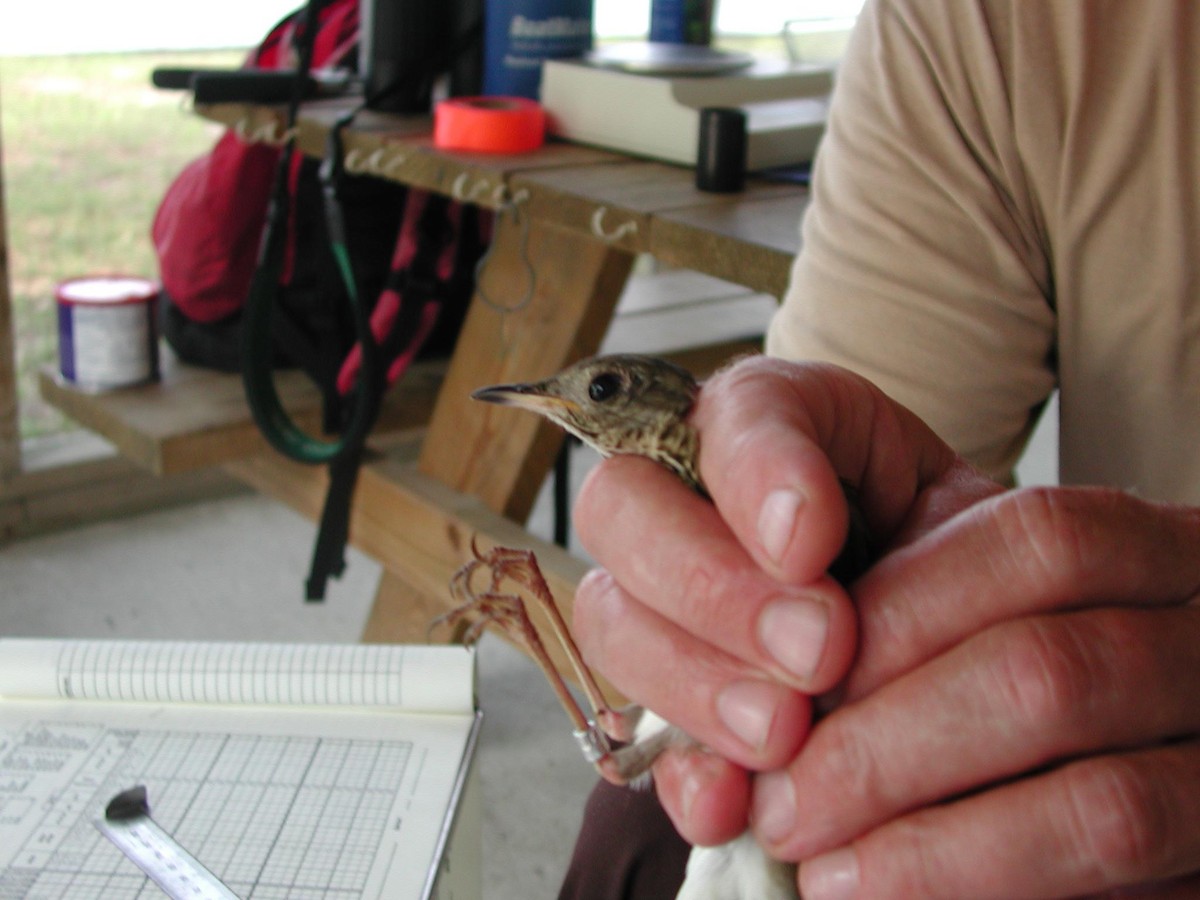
pixel 625 403
pixel 618 404
pixel 640 405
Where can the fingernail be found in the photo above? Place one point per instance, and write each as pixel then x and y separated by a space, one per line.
pixel 794 631
pixel 831 876
pixel 691 788
pixel 597 580
pixel 777 521
pixel 773 808
pixel 747 708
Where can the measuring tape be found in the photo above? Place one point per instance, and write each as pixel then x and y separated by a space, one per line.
pixel 181 876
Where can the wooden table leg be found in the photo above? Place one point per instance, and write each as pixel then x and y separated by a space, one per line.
pixel 502 455
pixel 401 613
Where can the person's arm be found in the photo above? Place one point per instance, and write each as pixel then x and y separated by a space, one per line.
pixel 924 266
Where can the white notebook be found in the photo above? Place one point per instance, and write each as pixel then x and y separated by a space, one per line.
pixel 286 769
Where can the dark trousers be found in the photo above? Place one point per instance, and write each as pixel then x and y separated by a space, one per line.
pixel 627 849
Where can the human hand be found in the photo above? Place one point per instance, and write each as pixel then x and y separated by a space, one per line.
pixel 719 617
pixel 1022 718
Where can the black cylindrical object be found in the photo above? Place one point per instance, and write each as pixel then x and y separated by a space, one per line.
pixel 466 31
pixel 402 51
pixel 721 152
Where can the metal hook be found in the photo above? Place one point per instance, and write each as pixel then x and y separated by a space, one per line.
pixel 266 133
pixel 501 198
pixel 458 190
pixel 509 206
pixel 359 162
pixel 356 163
pixel 626 228
pixel 394 162
pixel 239 129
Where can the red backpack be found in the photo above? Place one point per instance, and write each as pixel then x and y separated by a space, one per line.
pixel 413 256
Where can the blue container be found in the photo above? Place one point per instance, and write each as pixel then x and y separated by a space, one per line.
pixel 520 34
pixel 681 21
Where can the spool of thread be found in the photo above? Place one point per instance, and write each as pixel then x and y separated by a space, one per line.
pixel 721 150
pixel 106 331
pixel 489 124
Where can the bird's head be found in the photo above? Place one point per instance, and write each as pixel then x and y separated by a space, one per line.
pixel 616 404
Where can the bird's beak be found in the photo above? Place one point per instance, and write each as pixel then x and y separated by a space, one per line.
pixel 531 396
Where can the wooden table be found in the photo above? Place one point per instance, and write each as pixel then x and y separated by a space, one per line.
pixel 569 222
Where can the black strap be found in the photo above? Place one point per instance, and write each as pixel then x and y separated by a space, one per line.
pixel 417 287
pixel 333 533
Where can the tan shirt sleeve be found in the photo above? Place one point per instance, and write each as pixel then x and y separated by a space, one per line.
pixel 924 263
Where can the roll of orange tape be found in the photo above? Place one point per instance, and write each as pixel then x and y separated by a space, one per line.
pixel 489 124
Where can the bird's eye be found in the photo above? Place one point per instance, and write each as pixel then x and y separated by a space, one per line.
pixel 604 386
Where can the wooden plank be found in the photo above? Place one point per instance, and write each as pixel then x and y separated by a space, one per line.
pixel 752 242
pixel 403 615
pixel 194 418
pixel 514 333
pixel 617 203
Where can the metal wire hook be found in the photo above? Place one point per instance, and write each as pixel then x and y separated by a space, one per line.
pixel 626 228
pixel 508 205
pixel 459 191
pixel 266 133
pixel 395 161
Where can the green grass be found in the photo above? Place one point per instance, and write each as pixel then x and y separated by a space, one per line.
pixel 89 148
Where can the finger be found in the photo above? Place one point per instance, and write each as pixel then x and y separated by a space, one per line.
pixel 717 699
pixel 669 547
pixel 1091 826
pixel 706 796
pixel 1044 550
pixel 1015 698
pixel 775 438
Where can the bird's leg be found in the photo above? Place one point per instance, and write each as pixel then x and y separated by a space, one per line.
pixel 506 612
pixel 521 566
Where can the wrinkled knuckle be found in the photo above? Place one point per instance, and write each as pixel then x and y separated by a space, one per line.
pixel 1041 673
pixel 1042 529
pixel 1120 825
pixel 912 867
pixel 701 596
pixel 850 763
pixel 713 595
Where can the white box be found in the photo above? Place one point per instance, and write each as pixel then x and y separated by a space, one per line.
pixel 659 116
